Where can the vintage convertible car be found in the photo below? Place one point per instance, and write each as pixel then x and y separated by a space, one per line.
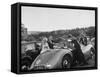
pixel 59 58
pixel 52 59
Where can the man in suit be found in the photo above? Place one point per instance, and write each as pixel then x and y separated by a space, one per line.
pixel 77 52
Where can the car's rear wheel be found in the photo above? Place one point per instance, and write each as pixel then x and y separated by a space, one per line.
pixel 66 62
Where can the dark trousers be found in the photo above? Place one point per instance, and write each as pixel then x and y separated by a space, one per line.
pixel 79 56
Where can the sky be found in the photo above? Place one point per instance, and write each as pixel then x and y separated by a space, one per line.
pixel 50 19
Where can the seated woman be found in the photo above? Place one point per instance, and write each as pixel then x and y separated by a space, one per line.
pixel 44 45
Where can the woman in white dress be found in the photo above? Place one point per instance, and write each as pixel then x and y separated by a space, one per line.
pixel 44 45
